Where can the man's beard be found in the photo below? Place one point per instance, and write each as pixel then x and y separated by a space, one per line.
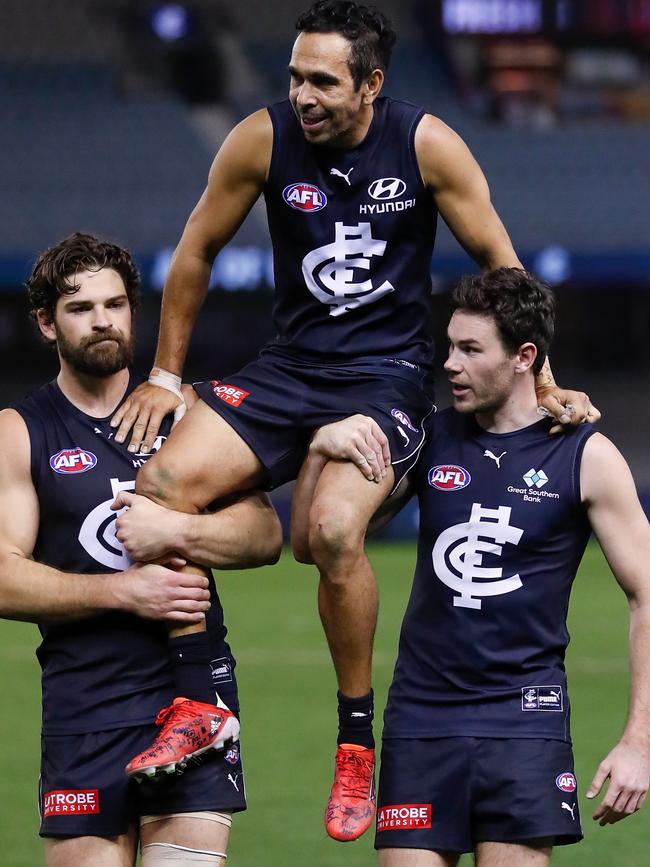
pixel 99 355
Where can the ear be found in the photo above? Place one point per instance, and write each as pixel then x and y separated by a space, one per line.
pixel 371 87
pixel 525 358
pixel 46 324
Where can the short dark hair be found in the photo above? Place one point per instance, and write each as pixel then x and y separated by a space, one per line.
pixel 369 32
pixel 53 270
pixel 523 308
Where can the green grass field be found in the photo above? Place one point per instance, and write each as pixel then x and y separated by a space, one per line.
pixel 289 715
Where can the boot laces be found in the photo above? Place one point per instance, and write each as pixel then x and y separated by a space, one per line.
pixel 174 714
pixel 354 773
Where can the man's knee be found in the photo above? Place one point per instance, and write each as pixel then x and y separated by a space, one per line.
pixel 157 481
pixel 335 532
pixel 153 482
pixel 185 839
pixel 65 851
pixel 302 553
pixel 300 544
pixel 163 854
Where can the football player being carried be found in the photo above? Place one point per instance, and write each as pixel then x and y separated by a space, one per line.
pixel 353 182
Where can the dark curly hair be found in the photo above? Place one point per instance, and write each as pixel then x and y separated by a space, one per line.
pixel 54 271
pixel 523 307
pixel 369 32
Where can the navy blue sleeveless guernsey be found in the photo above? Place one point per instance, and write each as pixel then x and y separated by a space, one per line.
pixel 112 670
pixel 502 532
pixel 353 234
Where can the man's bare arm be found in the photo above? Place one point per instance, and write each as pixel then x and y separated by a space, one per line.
pixel 242 533
pixel 623 531
pixel 34 592
pixel 359 439
pixel 235 182
pixel 462 196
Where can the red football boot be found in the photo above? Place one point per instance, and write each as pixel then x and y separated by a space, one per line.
pixel 188 729
pixel 351 807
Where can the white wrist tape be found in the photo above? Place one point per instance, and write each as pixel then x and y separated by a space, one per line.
pixel 170 382
pixel 165 379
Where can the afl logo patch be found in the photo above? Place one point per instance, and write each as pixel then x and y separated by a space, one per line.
pixel 231 755
pixel 566 782
pixel 387 188
pixel 402 417
pixel 449 477
pixel 304 197
pixel 72 461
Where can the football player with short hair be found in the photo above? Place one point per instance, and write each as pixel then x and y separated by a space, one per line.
pixel 103 618
pixel 477 750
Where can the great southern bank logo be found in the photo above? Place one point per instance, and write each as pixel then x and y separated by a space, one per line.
pixel 449 477
pixel 304 197
pixel 536 478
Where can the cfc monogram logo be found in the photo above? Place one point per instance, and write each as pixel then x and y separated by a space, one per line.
pixel 97 533
pixel 329 271
pixel 463 547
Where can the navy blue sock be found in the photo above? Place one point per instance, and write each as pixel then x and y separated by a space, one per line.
pixel 355 720
pixel 191 672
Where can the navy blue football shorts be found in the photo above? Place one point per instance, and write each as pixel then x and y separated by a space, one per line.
pixel 276 402
pixel 84 791
pixel 448 794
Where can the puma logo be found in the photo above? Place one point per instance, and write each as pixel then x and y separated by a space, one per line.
pixel 497 460
pixel 346 177
pixel 403 433
pixel 233 780
pixel 565 806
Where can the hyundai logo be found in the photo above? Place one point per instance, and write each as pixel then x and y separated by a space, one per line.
pixel 387 188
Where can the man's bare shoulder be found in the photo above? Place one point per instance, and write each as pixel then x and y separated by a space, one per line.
pixel 257 126
pixel 246 152
pixel 13 424
pixel 604 472
pixel 15 448
pixel 437 147
pixel 601 451
pixel 433 128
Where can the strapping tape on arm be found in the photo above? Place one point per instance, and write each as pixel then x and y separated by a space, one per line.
pixel 170 382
